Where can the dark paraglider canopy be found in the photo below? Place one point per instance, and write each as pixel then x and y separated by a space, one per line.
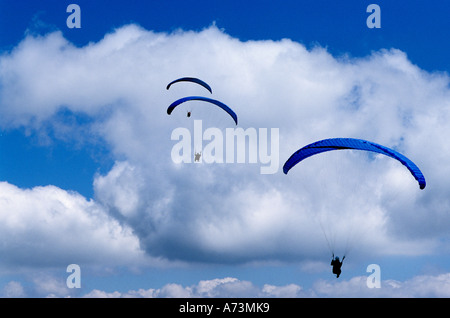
pixel 351 143
pixel 193 80
pixel 204 99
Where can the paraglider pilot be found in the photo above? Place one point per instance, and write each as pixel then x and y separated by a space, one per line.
pixel 337 265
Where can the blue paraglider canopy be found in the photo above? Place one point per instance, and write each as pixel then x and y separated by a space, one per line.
pixel 205 99
pixel 193 80
pixel 351 143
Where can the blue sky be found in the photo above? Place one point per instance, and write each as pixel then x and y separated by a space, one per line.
pixel 86 147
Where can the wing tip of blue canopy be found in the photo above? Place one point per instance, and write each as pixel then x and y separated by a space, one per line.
pixel 422 184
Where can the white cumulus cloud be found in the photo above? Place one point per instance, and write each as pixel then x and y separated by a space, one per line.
pixel 226 213
pixel 50 227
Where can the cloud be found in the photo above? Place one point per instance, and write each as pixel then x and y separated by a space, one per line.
pixel 13 289
pixel 418 286
pixel 228 213
pixel 427 286
pixel 219 287
pixel 49 227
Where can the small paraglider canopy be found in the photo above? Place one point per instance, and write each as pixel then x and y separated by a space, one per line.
pixel 193 80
